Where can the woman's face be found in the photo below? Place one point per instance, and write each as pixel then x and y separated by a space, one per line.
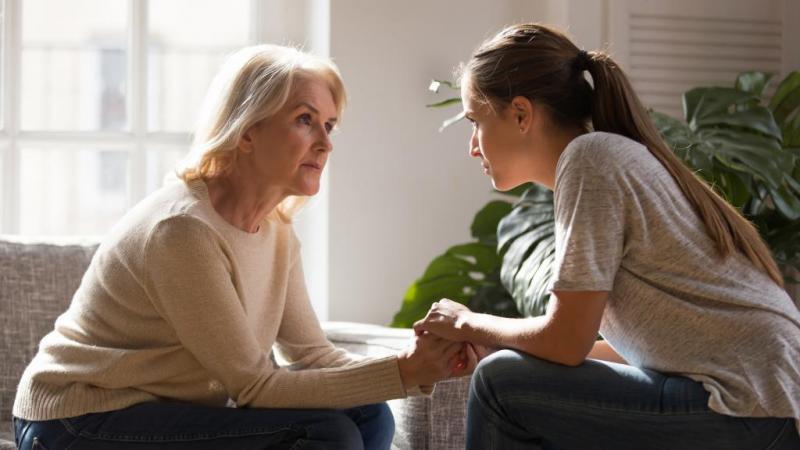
pixel 497 140
pixel 289 150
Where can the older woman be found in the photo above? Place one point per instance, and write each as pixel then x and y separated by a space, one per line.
pixel 187 295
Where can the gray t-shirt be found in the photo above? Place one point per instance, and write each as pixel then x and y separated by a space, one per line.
pixel 675 306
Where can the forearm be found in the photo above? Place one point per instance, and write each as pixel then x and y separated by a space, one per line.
pixel 371 381
pixel 534 335
pixel 604 351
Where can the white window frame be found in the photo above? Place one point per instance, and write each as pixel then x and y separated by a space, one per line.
pixel 135 140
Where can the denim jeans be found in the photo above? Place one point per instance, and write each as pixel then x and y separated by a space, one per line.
pixel 151 425
pixel 519 401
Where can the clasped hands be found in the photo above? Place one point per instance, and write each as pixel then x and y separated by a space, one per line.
pixel 442 347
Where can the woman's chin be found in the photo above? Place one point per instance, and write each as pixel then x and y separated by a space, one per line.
pixel 505 185
pixel 500 185
pixel 308 190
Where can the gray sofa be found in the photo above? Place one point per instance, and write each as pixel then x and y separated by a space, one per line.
pixel 37 280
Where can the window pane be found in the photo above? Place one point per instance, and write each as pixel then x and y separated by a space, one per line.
pixel 2 64
pixel 185 54
pixel 3 188
pixel 160 162
pixel 74 65
pixel 67 191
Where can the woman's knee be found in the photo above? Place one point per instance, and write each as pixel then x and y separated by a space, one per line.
pixel 488 371
pixel 510 371
pixel 376 423
pixel 380 415
pixel 337 430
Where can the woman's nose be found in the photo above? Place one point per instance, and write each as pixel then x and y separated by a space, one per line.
pixel 474 150
pixel 325 145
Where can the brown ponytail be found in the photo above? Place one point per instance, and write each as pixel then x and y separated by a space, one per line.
pixel 543 65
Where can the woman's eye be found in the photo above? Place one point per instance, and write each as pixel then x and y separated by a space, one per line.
pixel 328 128
pixel 305 119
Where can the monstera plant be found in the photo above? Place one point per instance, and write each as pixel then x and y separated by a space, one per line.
pixel 747 147
pixel 749 150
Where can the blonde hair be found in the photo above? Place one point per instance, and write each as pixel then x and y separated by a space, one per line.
pixel 543 65
pixel 253 84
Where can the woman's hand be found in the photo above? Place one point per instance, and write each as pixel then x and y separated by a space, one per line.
pixel 446 319
pixel 429 359
pixel 465 360
pixel 468 358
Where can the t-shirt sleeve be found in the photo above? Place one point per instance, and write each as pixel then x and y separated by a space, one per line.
pixel 589 223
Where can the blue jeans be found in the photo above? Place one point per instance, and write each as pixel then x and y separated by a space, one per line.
pixel 519 401
pixel 172 426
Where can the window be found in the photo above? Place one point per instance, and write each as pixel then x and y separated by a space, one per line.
pixel 98 108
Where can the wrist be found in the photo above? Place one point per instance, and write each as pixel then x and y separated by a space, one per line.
pixel 406 372
pixel 466 325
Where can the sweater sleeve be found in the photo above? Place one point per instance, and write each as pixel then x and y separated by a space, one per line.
pixel 300 339
pixel 188 275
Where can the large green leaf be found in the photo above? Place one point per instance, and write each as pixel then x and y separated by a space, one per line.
pixel 467 273
pixel 791 132
pixel 483 257
pixel 756 118
pixel 527 238
pixel 422 293
pixel 786 202
pixel 484 226
pixel 684 143
pixel 494 299
pixel 457 274
pixel 786 100
pixel 785 106
pixel 699 103
pixel 747 152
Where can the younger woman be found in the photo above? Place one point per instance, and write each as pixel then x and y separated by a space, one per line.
pixel 702 344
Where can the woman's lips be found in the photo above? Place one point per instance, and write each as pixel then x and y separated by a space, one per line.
pixel 314 166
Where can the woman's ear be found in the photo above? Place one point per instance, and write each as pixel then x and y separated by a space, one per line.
pixel 246 142
pixel 522 112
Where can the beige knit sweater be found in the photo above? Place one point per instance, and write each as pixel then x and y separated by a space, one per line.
pixel 177 304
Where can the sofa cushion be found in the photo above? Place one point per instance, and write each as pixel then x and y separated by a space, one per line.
pixel 7 441
pixel 37 281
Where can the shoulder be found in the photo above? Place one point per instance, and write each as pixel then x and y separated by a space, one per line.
pixel 600 150
pixel 181 233
pixel 604 158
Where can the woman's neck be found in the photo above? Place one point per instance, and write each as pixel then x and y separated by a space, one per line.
pixel 243 204
pixel 554 143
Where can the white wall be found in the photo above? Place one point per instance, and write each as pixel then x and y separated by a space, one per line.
pixel 400 191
